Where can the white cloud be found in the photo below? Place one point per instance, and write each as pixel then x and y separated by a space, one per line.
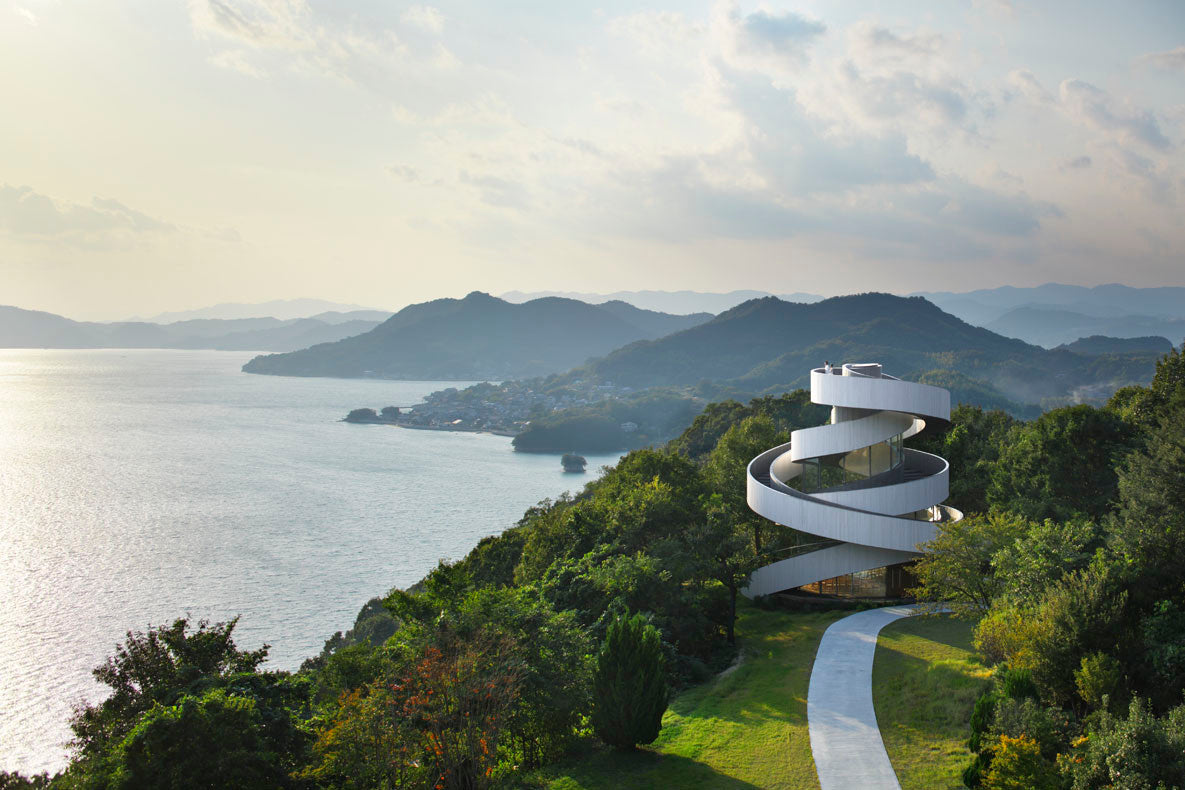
pixel 237 60
pixel 425 17
pixel 267 24
pixel 1172 59
pixel 27 214
pixel 1128 140
pixel 1027 85
pixel 1098 109
pixel 746 122
pixel 763 40
pixel 660 35
pixel 907 79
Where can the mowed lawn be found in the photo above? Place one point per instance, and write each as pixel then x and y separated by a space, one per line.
pixel 744 729
pixel 925 680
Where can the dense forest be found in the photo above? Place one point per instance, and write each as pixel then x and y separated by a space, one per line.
pixel 1069 561
pixel 1071 569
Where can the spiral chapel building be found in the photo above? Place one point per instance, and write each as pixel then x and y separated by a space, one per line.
pixel 866 501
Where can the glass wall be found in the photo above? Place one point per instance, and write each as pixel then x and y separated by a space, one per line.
pixel 891 581
pixel 834 470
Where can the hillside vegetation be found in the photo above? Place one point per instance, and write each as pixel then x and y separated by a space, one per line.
pixel 1069 567
pixel 641 394
pixel 769 345
pixel 746 728
pixel 1069 560
pixel 478 337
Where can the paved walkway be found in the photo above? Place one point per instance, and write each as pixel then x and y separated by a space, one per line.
pixel 845 739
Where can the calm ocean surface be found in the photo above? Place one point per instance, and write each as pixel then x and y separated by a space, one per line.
pixel 136 486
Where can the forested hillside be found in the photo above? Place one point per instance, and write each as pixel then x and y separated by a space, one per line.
pixel 1069 559
pixel 769 345
pixel 1069 564
pixel 478 337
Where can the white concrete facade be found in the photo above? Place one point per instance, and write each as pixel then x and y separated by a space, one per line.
pixel 875 517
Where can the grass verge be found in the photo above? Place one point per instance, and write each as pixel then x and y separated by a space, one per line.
pixel 925 679
pixel 744 729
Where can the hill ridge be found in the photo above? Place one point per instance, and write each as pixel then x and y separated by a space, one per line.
pixel 477 337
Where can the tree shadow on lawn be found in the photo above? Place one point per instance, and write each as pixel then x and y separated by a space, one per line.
pixel 932 698
pixel 643 769
pixel 943 629
pixel 770 685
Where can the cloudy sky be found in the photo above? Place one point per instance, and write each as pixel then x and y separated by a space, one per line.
pixel 167 155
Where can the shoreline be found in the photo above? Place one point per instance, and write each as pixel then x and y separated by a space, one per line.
pixel 490 431
pixel 494 432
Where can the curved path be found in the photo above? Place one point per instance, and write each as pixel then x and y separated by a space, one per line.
pixel 845 739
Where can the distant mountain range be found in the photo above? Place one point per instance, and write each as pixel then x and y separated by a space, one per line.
pixel 1110 301
pixel 769 345
pixel 1053 314
pixel 34 329
pixel 283 309
pixel 674 302
pixel 1051 326
pixel 480 337
pixel 1049 315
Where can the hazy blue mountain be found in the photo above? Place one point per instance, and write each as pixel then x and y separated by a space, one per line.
pixel 982 307
pixel 769 345
pixel 34 329
pixel 676 302
pixel 283 309
pixel 339 317
pixel 291 335
pixel 1054 327
pixel 652 322
pixel 1101 344
pixel 478 337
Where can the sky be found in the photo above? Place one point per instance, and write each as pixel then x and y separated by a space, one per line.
pixel 168 155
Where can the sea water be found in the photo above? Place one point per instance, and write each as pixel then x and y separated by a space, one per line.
pixel 137 486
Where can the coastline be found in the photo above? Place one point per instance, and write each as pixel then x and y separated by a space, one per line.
pixel 492 431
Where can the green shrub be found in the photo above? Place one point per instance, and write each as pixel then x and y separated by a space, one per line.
pixel 981 719
pixel 1005 634
pixel 973 773
pixel 1098 680
pixel 212 741
pixel 1018 765
pixel 1084 613
pixel 1048 727
pixel 1138 752
pixel 1018 684
pixel 629 684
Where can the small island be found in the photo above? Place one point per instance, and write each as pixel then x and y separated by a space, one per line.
pixel 573 462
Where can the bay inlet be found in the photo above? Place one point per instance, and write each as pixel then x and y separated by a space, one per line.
pixel 140 485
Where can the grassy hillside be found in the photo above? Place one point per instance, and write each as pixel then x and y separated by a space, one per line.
pixel 925 680
pixel 745 729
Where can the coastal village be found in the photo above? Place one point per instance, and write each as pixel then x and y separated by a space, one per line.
pixel 505 408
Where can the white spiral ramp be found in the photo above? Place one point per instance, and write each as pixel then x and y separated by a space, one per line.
pixel 869 501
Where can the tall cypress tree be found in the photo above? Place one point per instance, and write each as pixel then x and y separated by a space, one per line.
pixel 629 684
